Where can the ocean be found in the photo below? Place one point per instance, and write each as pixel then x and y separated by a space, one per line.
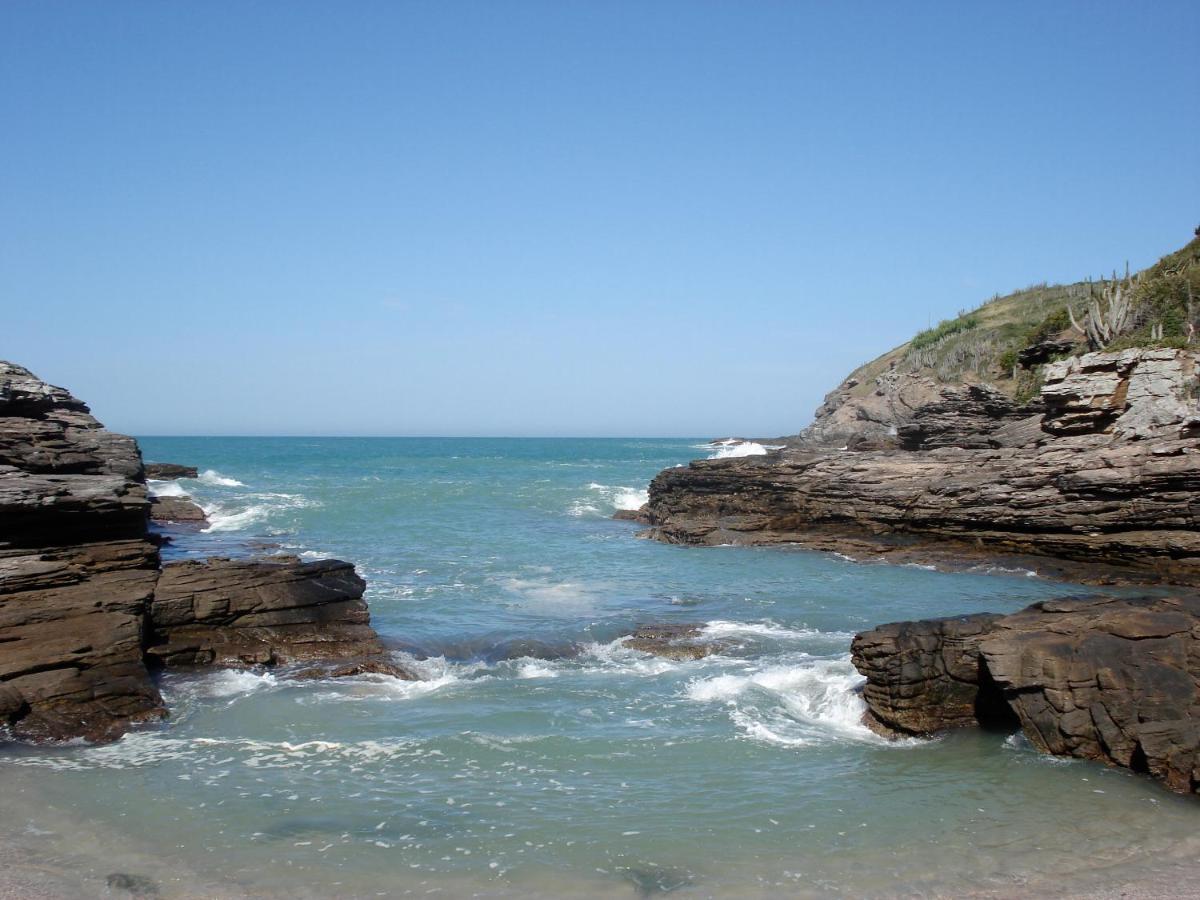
pixel 580 768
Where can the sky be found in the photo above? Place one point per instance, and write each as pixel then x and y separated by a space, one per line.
pixel 557 218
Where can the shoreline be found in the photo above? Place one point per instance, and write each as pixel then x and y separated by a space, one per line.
pixel 942 555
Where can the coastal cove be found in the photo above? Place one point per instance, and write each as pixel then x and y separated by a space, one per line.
pixel 537 756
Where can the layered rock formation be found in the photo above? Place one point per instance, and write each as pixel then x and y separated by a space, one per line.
pixel 76 569
pixel 84 605
pixel 259 612
pixel 1114 680
pixel 1103 479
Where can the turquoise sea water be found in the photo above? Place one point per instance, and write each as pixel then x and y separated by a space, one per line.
pixel 584 769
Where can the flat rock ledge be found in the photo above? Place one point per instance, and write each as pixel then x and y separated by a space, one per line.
pixel 87 611
pixel 1106 679
pixel 1095 482
pixel 169 471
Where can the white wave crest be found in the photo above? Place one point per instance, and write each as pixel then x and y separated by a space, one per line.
pixel 769 629
pixel 536 669
pixel 213 477
pixel 616 658
pixel 222 519
pixel 165 489
pixel 738 448
pixel 812 702
pixel 232 682
pixel 251 509
pixel 613 496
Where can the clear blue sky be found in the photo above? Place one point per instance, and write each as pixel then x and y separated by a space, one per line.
pixel 545 218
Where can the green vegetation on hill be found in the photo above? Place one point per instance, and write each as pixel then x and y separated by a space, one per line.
pixel 981 346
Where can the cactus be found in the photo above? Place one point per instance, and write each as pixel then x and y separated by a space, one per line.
pixel 1103 324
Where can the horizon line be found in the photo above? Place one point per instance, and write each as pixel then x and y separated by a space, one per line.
pixel 466 437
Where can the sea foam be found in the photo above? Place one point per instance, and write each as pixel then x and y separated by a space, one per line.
pixel 809 702
pixel 729 449
pixel 215 478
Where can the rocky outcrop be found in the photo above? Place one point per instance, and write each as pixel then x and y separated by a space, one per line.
pixel 259 612
pixel 1136 395
pixel 1107 679
pixel 972 417
pixel 923 677
pixel 1044 351
pixel 1115 503
pixel 848 416
pixel 84 605
pixel 76 570
pixel 169 471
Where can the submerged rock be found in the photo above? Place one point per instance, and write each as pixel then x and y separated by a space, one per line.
pixel 133 885
pixel 351 668
pixel 1114 680
pixel 673 641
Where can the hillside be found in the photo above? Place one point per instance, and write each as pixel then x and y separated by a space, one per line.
pixel 1004 343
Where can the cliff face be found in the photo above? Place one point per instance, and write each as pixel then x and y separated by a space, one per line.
pixel 84 605
pixel 1100 474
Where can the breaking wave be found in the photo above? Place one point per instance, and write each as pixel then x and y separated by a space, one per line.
pixel 604 499
pixel 242 511
pixel 802 704
pixel 733 447
pixel 215 478
pixel 165 489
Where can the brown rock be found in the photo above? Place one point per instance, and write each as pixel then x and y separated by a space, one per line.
pixel 76 572
pixel 1113 680
pixel 672 641
pixel 169 471
pixel 259 612
pixel 371 666
pixel 80 580
pixel 177 509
